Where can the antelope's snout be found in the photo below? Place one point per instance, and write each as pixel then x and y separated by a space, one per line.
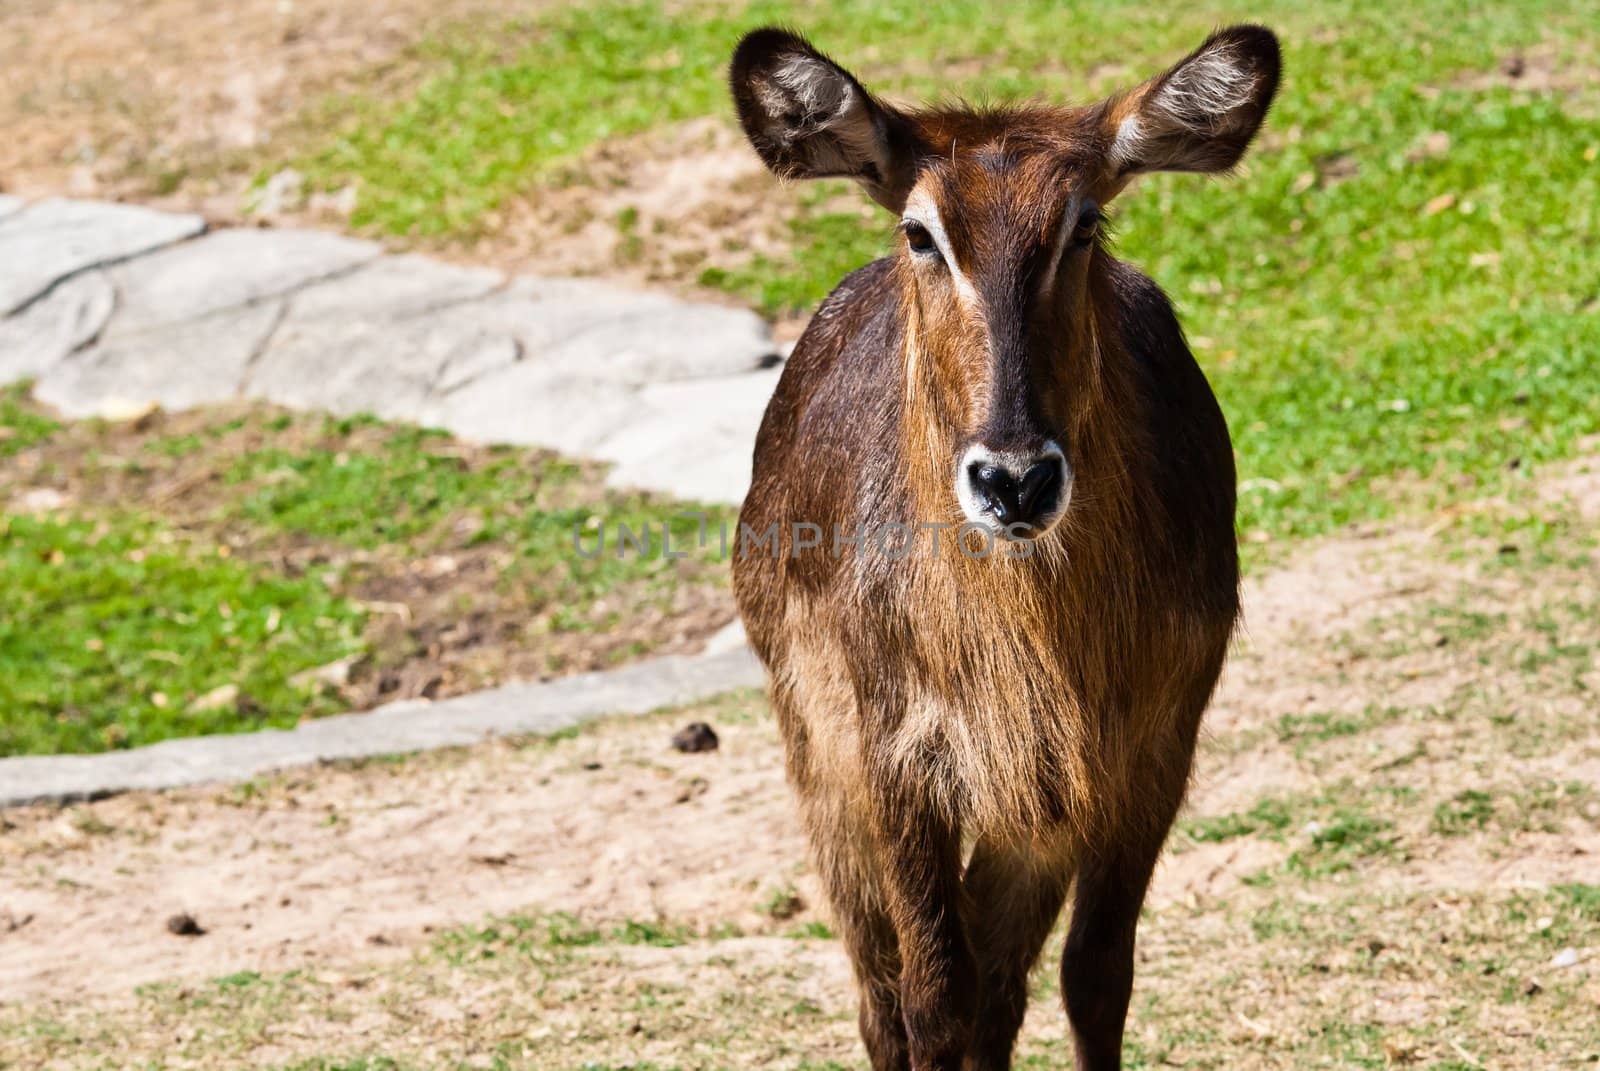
pixel 1017 493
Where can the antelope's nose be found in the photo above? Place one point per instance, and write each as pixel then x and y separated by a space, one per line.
pixel 1017 492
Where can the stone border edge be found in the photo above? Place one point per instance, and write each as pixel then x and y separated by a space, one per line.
pixel 398 728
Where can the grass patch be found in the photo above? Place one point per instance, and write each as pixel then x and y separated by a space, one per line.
pixel 1388 325
pixel 365 484
pixel 116 627
pixel 1267 816
pixel 1464 812
pixel 285 566
pixel 1339 843
pixel 537 936
pixel 22 425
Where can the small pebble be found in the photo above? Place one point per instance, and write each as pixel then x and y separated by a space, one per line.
pixel 696 736
pixel 184 925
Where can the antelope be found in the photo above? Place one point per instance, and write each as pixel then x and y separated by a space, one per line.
pixel 974 736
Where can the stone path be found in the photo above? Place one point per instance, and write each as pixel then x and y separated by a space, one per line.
pixel 113 307
pixel 110 308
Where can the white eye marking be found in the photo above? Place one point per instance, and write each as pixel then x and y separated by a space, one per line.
pixel 1064 229
pixel 921 210
pixel 1075 231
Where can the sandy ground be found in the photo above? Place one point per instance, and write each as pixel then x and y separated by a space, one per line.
pixel 347 864
pixel 140 97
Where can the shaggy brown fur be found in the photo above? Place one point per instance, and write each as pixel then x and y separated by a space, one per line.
pixel 972 735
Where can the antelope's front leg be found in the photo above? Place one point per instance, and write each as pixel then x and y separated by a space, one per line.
pixel 1097 968
pixel 922 884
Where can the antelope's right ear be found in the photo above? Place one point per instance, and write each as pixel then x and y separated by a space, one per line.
pixel 807 117
pixel 1202 114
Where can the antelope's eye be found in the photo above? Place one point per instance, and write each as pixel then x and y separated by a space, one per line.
pixel 918 238
pixel 1087 227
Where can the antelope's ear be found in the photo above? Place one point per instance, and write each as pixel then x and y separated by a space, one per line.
pixel 1202 114
pixel 807 117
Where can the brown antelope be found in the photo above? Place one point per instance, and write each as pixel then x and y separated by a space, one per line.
pixel 973 734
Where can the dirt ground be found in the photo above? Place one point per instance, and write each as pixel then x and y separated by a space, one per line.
pixel 146 98
pixel 1366 683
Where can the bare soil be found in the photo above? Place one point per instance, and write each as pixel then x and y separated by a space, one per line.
pixel 168 98
pixel 1571 73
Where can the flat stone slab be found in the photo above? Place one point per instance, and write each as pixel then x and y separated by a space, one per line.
pixel 226 269
pixel 394 288
pixel 609 333
pixel 669 391
pixel 516 709
pixel 389 368
pixel 693 439
pixel 42 335
pixel 531 403
pixel 196 362
pixel 52 239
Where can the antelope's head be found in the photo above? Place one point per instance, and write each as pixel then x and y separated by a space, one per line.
pixel 1001 253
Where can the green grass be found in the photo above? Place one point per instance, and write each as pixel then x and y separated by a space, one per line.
pixel 365 484
pixel 130 623
pixel 537 937
pixel 1336 845
pixel 1266 816
pixel 21 425
pixel 114 627
pixel 1371 354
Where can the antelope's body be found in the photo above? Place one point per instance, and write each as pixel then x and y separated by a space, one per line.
pixel 998 702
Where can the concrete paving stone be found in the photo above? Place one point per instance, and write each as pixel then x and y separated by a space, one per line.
pixel 10 204
pixel 467 365
pixel 384 367
pixel 225 269
pixel 414 725
pixel 611 333
pixel 54 238
pixel 542 323
pixel 692 439
pixel 394 287
pixel 198 362
pixel 532 404
pixel 730 637
pixel 43 334
pixel 681 342
pixel 580 294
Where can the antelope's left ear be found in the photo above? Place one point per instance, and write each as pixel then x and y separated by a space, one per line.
pixel 1202 114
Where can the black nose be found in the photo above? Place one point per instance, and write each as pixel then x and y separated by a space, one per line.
pixel 1013 499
